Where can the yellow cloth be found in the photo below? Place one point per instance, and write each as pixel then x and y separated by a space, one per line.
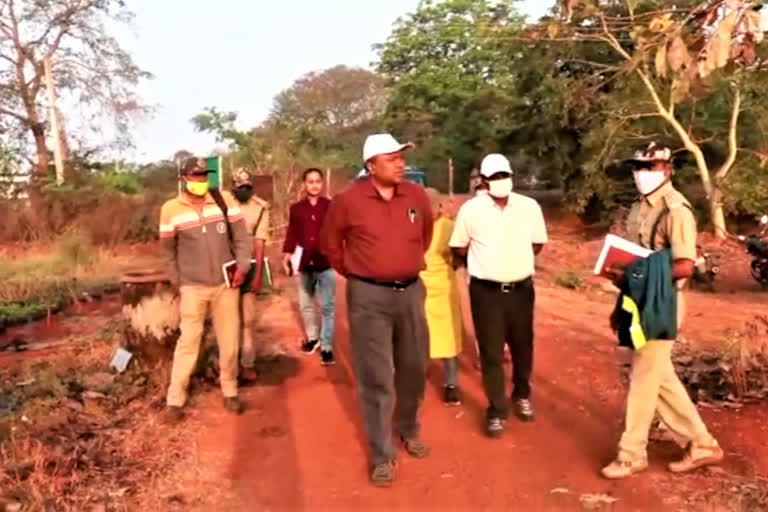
pixel 442 303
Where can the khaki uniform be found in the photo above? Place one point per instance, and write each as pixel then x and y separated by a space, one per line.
pixel 654 386
pixel 256 214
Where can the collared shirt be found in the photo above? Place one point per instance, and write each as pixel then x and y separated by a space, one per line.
pixel 194 240
pixel 677 229
pixel 256 214
pixel 304 224
pixel 368 236
pixel 500 239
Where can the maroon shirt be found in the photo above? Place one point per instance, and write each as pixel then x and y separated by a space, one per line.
pixel 367 236
pixel 304 224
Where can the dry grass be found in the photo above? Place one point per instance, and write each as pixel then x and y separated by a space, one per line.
pixel 734 369
pixel 49 278
pixel 59 447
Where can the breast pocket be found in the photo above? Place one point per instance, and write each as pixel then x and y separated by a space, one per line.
pixel 414 224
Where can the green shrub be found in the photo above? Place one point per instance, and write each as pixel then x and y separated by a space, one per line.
pixel 123 182
pixel 569 279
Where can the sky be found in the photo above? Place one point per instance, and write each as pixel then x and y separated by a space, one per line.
pixel 238 54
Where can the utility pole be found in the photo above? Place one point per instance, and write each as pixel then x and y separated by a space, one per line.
pixel 450 177
pixel 55 132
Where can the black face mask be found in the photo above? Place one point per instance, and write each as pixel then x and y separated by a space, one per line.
pixel 243 194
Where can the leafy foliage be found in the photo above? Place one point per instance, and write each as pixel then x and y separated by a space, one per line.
pixel 452 68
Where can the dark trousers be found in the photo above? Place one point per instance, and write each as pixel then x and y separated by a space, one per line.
pixel 503 316
pixel 389 341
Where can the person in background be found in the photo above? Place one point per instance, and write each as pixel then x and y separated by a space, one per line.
pixel 195 246
pixel 256 215
pixel 442 303
pixel 316 278
pixel 661 219
pixel 376 234
pixel 498 236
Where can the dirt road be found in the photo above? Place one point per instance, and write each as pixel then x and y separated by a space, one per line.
pixel 301 447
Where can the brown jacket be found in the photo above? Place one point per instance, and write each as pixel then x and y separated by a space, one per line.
pixel 194 240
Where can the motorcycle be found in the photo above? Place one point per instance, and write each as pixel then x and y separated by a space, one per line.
pixel 757 247
pixel 705 270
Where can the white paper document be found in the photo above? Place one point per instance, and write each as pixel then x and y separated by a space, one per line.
pixel 296 259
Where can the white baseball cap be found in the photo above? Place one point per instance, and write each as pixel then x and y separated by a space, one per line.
pixel 494 163
pixel 382 144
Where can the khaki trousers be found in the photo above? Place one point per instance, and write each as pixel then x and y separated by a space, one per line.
pixel 195 303
pixel 654 387
pixel 248 347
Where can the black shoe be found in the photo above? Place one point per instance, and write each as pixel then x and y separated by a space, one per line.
pixel 327 357
pixel 310 346
pixel 451 395
pixel 234 405
pixel 494 427
pixel 524 409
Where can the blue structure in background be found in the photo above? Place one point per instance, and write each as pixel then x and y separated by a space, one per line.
pixel 411 174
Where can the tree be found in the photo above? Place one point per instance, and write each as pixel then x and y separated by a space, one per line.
pixel 320 121
pixel 452 67
pixel 700 68
pixel 329 112
pixel 90 65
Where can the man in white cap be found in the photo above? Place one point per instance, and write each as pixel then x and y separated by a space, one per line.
pixel 497 236
pixel 375 234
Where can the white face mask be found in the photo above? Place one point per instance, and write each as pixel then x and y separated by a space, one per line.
pixel 648 181
pixel 500 188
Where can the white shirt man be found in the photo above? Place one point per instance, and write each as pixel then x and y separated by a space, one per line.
pixel 498 234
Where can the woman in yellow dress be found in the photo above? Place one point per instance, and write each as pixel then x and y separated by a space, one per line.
pixel 442 304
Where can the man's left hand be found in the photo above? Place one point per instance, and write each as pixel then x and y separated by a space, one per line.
pixel 239 278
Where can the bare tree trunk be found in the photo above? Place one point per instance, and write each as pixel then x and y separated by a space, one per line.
pixel 717 213
pixel 41 149
pixel 58 153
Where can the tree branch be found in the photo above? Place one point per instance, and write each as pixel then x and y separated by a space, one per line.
pixel 733 148
pixel 672 100
pixel 665 113
pixel 15 115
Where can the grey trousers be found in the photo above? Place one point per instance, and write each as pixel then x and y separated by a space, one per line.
pixel 390 350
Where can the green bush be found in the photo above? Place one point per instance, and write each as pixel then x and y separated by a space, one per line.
pixel 107 209
pixel 123 182
pixel 569 279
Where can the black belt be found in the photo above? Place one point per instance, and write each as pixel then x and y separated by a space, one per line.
pixel 395 285
pixel 505 287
